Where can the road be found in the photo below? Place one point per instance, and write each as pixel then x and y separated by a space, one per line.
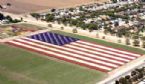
pixel 124 70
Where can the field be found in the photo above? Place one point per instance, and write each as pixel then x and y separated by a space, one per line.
pixel 25 6
pixel 19 66
pixel 11 30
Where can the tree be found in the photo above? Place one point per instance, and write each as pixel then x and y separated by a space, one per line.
pixel 143 44
pixel 121 32
pixel 71 9
pixel 114 1
pixel 127 38
pixel 1 7
pixel 74 30
pixel 116 82
pixel 126 21
pixel 1 16
pixel 62 28
pixel 136 42
pixel 15 21
pixel 63 20
pixel 9 4
pixel 143 41
pixel 73 22
pixel 81 8
pixel 135 36
pixel 49 17
pixel 133 73
pixel 53 10
pixel 122 80
pixel 35 15
pixel 92 27
pixel 21 19
pixel 9 18
pixel 116 24
pixel 127 41
pixel 49 25
pixel 103 37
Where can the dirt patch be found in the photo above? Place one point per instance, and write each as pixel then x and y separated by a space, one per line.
pixel 25 6
pixel 19 7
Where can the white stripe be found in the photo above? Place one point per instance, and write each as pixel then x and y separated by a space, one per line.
pixel 35 37
pixel 82 49
pixel 60 39
pixel 108 48
pixel 127 56
pixel 49 37
pixel 65 39
pixel 76 51
pixel 106 55
pixel 72 54
pixel 91 55
pixel 59 55
pixel 55 39
pixel 45 37
pixel 40 37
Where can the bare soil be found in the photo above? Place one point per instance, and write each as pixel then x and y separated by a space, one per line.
pixel 26 6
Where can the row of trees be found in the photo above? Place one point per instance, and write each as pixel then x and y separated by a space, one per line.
pixel 9 18
pixel 135 76
pixel 136 41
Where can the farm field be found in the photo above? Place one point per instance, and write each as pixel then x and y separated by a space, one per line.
pixel 26 6
pixel 19 66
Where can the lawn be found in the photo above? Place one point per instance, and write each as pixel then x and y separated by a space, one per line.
pixel 19 66
pixel 102 42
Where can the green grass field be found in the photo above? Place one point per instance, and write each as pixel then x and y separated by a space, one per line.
pixel 18 66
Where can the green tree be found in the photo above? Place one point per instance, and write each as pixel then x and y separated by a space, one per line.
pixel 62 28
pixel 35 15
pixel 92 27
pixel 49 17
pixel 123 80
pixel 127 41
pixel 136 42
pixel 9 18
pixel 75 30
pixel 114 1
pixel 71 9
pixel 1 16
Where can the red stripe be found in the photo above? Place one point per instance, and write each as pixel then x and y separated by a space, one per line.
pixel 99 55
pixel 112 47
pixel 66 54
pixel 108 49
pixel 76 52
pixel 102 52
pixel 87 52
pixel 61 58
